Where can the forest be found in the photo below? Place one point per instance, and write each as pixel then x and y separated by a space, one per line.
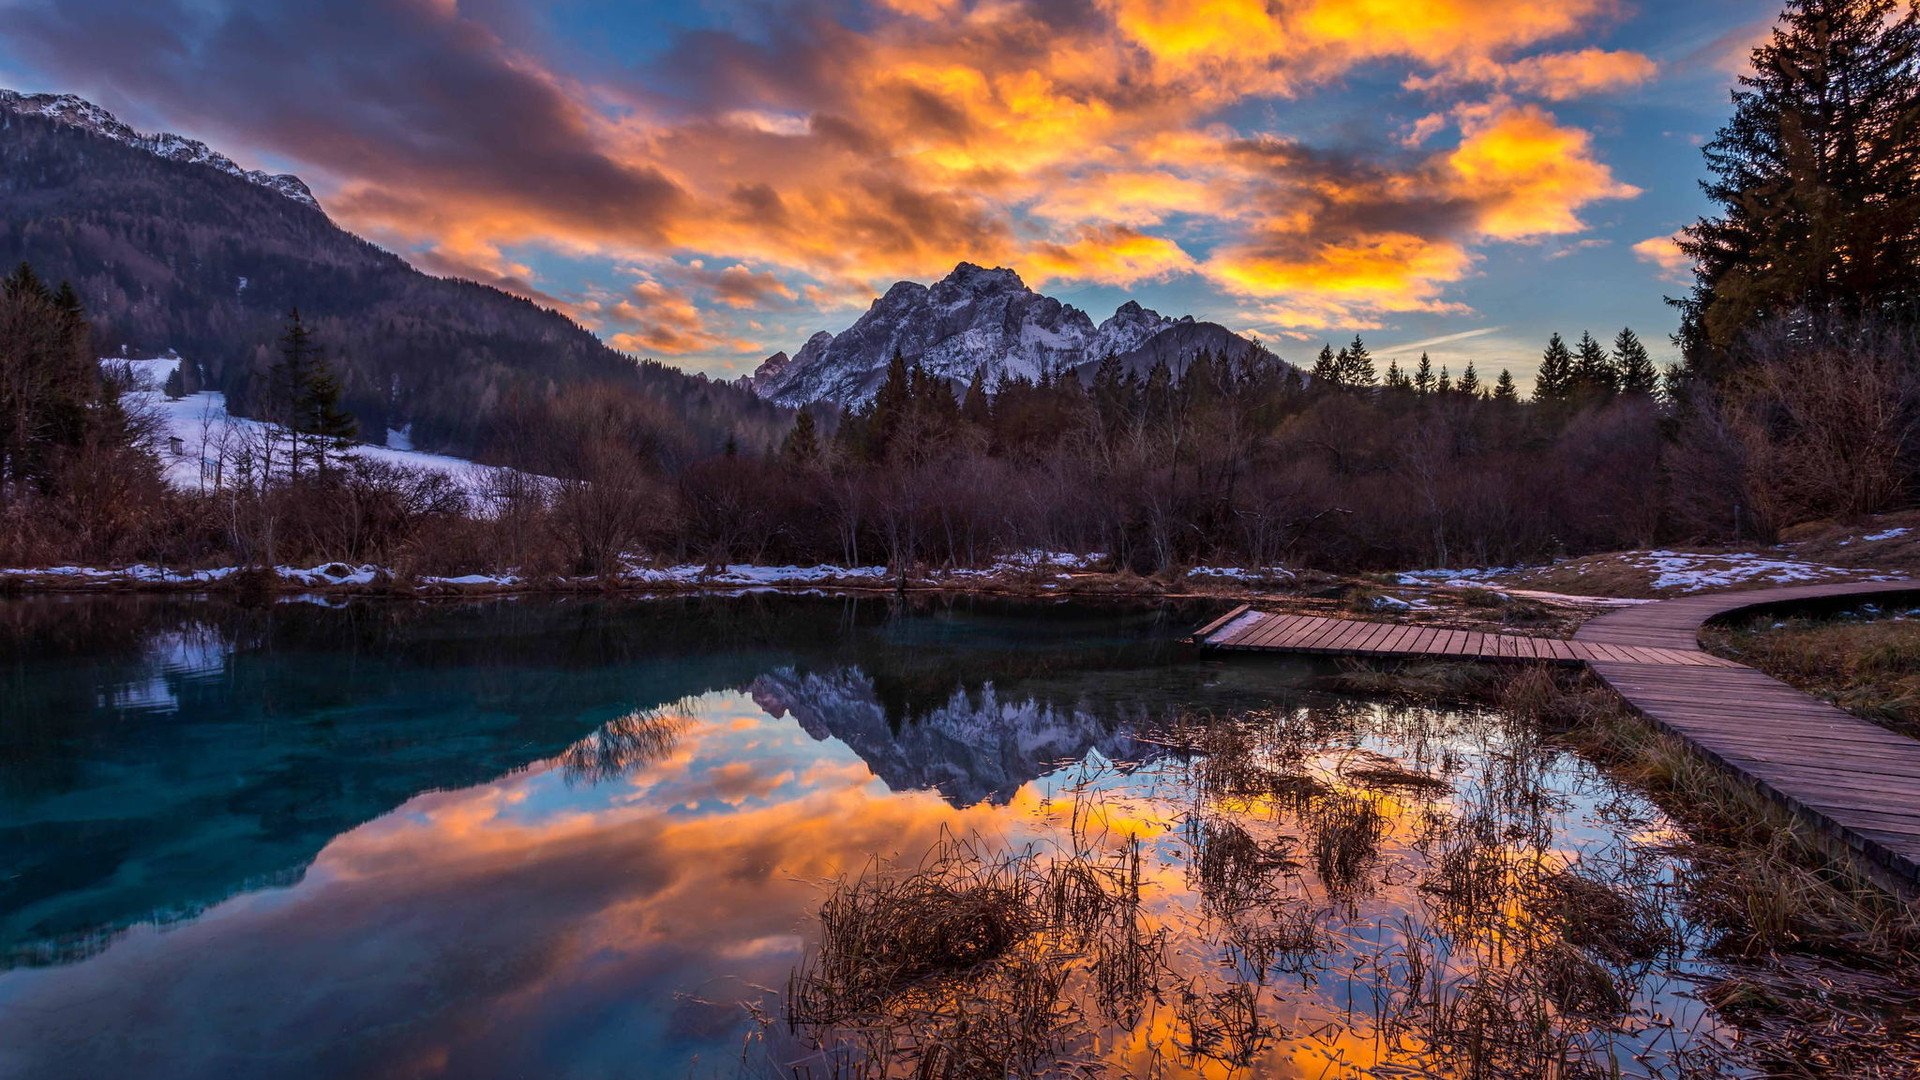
pixel 1798 398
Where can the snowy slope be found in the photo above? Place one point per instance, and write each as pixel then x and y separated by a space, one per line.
pixel 973 318
pixel 208 436
pixel 83 114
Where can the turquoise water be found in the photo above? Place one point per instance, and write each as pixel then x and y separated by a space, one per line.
pixel 581 838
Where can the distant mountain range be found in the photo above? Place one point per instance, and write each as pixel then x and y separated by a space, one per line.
pixel 173 246
pixel 978 318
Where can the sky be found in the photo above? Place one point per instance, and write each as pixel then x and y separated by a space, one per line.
pixel 709 181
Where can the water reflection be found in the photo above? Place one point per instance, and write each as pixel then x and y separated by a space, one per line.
pixel 579 840
pixel 158 756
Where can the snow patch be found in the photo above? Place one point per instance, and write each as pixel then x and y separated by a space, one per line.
pixel 198 438
pixel 1236 624
pixel 1243 573
pixel 1688 572
pixel 1470 577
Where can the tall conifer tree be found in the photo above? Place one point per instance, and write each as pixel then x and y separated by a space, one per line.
pixel 1817 176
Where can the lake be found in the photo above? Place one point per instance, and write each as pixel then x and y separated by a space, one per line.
pixel 592 838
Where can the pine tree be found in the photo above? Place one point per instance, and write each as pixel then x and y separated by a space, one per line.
pixel 1554 384
pixel 1397 379
pixel 53 401
pixel 1444 384
pixel 976 408
pixel 1423 376
pixel 176 387
pixel 1327 369
pixel 1594 380
pixel 1637 375
pixel 1503 389
pixel 23 282
pixel 308 401
pixel 891 404
pixel 1675 382
pixel 325 424
pixel 1356 365
pixel 1817 176
pixel 1156 397
pixel 1469 384
pixel 298 354
pixel 802 444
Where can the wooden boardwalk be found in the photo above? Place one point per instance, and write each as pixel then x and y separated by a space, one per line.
pixel 1855 781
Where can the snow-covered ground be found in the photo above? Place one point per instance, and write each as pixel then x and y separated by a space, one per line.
pixel 197 438
pixel 1256 574
pixel 1682 571
pixel 684 575
pixel 1470 577
pixel 1666 571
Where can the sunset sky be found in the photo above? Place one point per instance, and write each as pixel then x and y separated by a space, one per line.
pixel 707 182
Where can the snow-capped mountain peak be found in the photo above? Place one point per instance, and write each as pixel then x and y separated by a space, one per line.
pixel 976 317
pixel 78 112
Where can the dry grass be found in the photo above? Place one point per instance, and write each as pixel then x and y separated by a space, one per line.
pixel 1784 904
pixel 1427 680
pixel 961 968
pixel 1869 667
pixel 1846 543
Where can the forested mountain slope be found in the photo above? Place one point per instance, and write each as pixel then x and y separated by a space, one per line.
pixel 169 250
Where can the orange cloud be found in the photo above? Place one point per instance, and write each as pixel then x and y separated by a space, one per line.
pixel 1529 174
pixel 659 319
pixel 1114 255
pixel 1335 242
pixel 1561 76
pixel 1664 252
pixel 1347 284
pixel 1282 45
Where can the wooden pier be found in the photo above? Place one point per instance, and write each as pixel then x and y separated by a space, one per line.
pixel 1855 781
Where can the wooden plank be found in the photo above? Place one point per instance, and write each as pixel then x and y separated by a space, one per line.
pixel 1272 630
pixel 1299 630
pixel 1241 635
pixel 1201 634
pixel 1370 641
pixel 1347 635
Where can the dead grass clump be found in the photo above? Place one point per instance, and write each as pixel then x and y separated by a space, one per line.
pixel 1226 1026
pixel 1232 866
pixel 970 965
pixel 1252 761
pixel 1576 985
pixel 1600 920
pixel 1345 834
pixel 1526 613
pixel 883 932
pixel 1803 1016
pixel 1391 776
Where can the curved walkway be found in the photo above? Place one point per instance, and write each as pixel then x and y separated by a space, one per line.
pixel 1856 782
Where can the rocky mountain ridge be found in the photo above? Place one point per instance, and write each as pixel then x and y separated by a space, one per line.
pixel 975 318
pixel 78 112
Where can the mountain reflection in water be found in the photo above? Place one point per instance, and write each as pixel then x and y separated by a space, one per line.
pixel 588 839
